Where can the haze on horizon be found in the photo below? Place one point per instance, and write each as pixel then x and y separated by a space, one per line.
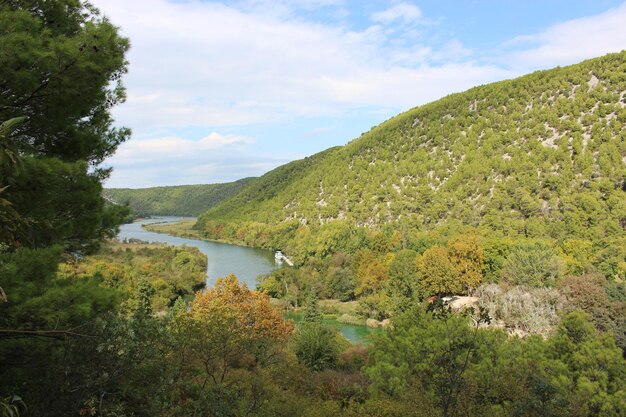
pixel 219 91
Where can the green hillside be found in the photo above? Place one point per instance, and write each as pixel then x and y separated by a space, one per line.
pixel 540 155
pixel 179 200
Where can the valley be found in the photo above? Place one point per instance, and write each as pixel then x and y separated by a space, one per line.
pixel 462 257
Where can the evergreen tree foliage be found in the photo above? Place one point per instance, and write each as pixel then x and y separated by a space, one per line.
pixel 60 76
pixel 535 265
pixel 179 200
pixel 316 346
pixel 75 59
pixel 540 156
pixel 312 313
pixel 469 371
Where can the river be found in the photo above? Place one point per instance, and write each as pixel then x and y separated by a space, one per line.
pixel 223 259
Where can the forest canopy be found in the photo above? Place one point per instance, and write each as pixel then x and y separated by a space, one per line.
pixel 512 192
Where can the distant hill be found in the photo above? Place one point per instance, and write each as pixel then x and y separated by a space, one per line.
pixel 540 155
pixel 179 200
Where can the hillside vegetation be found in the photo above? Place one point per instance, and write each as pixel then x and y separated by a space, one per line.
pixel 109 332
pixel 168 272
pixel 540 155
pixel 520 184
pixel 178 200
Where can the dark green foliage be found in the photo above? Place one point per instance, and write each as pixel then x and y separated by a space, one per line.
pixel 467 371
pixel 341 283
pixel 44 319
pixel 180 200
pixel 60 76
pixel 532 157
pixel 403 287
pixel 38 300
pixel 48 192
pixel 616 291
pixel 11 222
pixel 434 352
pixel 61 72
pixel 312 313
pixel 145 292
pixel 316 346
pixel 61 69
pixel 532 264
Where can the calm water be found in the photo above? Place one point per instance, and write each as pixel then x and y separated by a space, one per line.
pixel 355 334
pixel 224 259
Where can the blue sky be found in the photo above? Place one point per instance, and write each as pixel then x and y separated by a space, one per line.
pixel 219 91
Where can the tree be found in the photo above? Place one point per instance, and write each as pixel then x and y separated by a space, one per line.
pixel 224 339
pixel 59 76
pixel 533 264
pixel 439 275
pixel 312 313
pixel 371 272
pixel 341 283
pixel 467 257
pixel 75 60
pixel 145 292
pixel 403 286
pixel 596 366
pixel 10 219
pixel 587 293
pixel 45 319
pixel 316 346
pixel 420 351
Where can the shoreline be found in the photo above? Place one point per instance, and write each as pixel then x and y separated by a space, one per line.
pixel 193 234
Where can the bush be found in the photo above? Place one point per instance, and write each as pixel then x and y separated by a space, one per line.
pixel 601 300
pixel 317 346
pixel 353 358
pixel 529 310
pixel 532 264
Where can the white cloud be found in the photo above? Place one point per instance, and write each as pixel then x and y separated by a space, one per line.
pixel 404 12
pixel 175 160
pixel 134 151
pixel 572 41
pixel 199 66
pixel 208 65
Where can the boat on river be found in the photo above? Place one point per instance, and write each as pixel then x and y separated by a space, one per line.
pixel 280 257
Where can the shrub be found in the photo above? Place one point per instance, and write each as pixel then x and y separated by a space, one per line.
pixel 521 309
pixel 353 358
pixel 316 346
pixel 601 300
pixel 532 264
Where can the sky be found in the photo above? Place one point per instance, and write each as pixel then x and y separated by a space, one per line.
pixel 222 90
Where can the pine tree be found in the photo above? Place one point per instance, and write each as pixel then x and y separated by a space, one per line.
pixel 312 313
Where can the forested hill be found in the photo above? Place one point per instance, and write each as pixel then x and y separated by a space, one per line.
pixel 179 200
pixel 543 154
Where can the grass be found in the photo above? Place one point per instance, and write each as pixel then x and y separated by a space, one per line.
pixel 183 228
pixel 350 319
pixel 339 307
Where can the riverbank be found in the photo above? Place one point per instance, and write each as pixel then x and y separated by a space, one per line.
pixel 184 228
pixel 355 334
pixel 340 315
pixel 223 259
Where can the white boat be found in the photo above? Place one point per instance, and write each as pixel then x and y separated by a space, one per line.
pixel 278 256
